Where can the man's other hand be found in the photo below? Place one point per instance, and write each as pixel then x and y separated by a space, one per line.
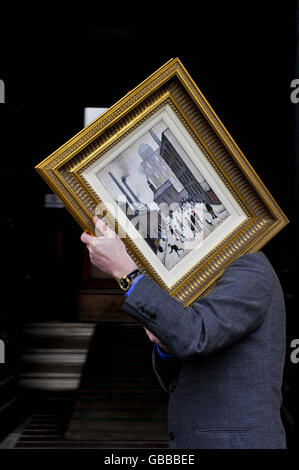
pixel 155 340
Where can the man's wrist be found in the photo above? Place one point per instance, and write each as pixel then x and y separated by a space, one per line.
pixel 125 270
pixel 163 349
pixel 162 352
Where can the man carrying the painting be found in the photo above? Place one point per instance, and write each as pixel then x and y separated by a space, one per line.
pixel 221 359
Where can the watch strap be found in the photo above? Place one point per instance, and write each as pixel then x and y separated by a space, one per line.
pixel 133 274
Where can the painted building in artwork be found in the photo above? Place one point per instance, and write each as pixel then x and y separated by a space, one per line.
pixel 166 196
pixel 198 189
pixel 153 165
pixel 161 179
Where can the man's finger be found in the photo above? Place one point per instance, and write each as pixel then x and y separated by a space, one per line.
pixel 86 238
pixel 102 227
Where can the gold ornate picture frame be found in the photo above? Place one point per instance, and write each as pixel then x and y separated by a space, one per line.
pixel 165 174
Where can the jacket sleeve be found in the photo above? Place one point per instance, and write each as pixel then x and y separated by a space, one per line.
pixel 167 371
pixel 236 307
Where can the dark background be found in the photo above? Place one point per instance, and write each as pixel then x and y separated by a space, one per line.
pixel 243 58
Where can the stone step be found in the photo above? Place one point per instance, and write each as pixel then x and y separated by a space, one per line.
pixel 54 354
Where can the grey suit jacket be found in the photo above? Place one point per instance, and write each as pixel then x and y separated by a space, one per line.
pixel 224 379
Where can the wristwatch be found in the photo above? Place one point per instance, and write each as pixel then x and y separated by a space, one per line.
pixel 125 282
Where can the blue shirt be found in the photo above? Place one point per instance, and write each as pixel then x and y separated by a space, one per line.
pixel 133 284
pixel 163 356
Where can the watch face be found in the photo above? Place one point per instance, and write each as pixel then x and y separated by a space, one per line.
pixel 124 283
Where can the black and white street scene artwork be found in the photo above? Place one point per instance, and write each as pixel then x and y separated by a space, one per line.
pixel 164 195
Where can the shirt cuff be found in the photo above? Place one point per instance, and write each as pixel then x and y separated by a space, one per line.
pixel 133 285
pixel 162 355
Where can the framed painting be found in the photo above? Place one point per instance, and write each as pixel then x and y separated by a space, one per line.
pixel 164 173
